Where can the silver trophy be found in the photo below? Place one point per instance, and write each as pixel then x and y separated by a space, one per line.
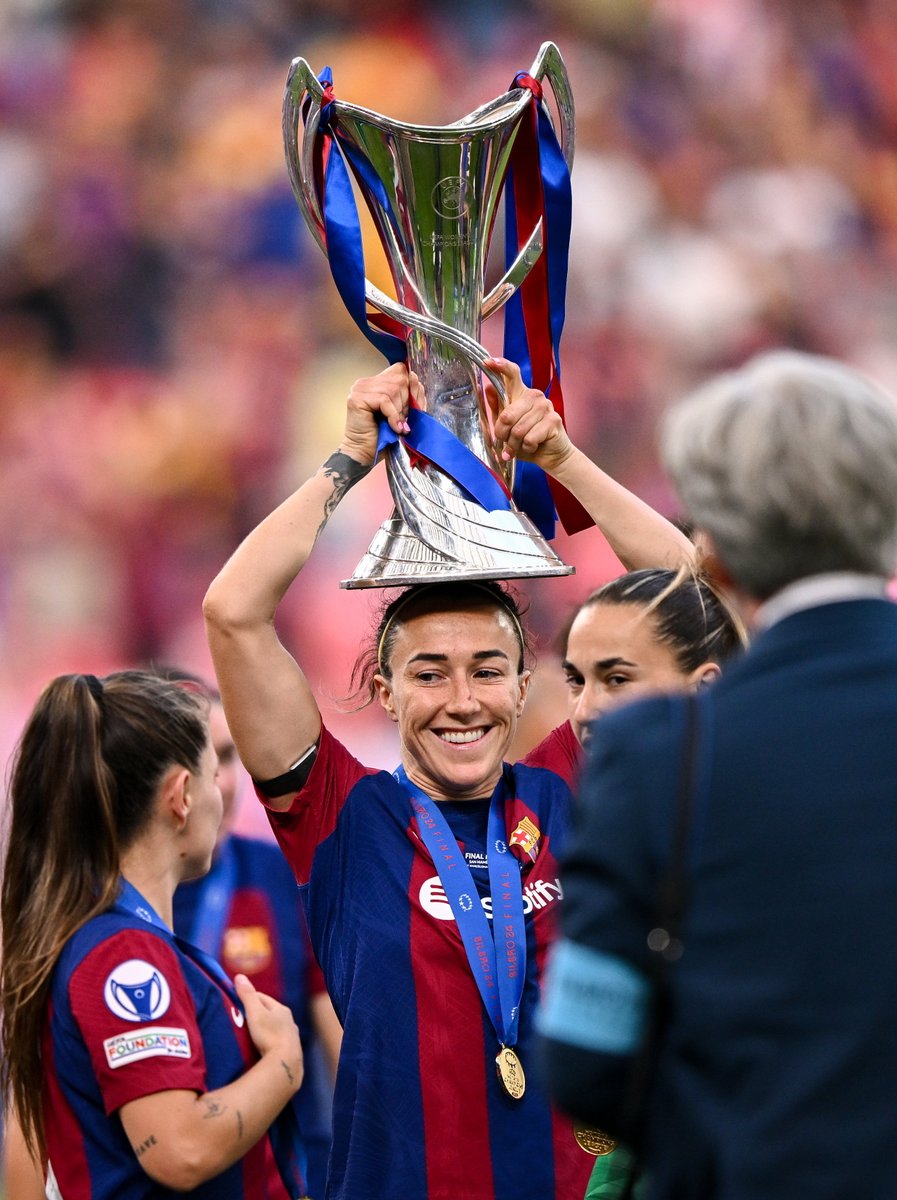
pixel 433 192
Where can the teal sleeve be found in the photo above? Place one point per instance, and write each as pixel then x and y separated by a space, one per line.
pixel 610 1174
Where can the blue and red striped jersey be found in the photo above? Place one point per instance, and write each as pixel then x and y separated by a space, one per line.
pixel 131 1015
pixel 419 1110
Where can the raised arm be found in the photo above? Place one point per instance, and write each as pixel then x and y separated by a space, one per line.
pixel 271 710
pixel 533 431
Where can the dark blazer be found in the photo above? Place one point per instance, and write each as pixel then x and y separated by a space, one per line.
pixel 776 1073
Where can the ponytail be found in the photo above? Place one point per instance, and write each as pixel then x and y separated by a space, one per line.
pixel 83 785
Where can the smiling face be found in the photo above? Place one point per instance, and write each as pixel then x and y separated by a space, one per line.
pixel 614 655
pixel 456 694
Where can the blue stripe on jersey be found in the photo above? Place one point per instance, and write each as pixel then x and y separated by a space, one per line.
pixel 113 1168
pixel 593 1000
pixel 518 1170
pixel 377 1102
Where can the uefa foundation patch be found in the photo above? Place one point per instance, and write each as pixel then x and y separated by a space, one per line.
pixel 154 1042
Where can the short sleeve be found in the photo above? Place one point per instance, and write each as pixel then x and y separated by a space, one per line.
pixel 137 1017
pixel 314 812
pixel 559 752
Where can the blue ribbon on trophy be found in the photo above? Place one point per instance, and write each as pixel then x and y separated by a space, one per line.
pixel 534 175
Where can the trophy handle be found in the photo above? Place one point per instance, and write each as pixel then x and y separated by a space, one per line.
pixel 515 274
pixel 549 65
pixel 302 85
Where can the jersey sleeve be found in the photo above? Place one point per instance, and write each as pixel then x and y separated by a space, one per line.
pixel 313 814
pixel 137 1017
pixel 559 752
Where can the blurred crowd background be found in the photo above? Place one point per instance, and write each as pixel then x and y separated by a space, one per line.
pixel 173 354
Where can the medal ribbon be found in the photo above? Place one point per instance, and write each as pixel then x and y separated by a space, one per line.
pixel 497 956
pixel 284 1134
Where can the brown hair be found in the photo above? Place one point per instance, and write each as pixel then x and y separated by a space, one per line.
pixel 84 779
pixel 423 598
pixel 690 615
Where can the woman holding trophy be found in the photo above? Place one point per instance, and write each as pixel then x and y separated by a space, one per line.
pixel 431 892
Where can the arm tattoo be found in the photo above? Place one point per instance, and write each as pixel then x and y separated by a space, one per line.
pixel 214 1108
pixel 144 1146
pixel 345 473
pixel 290 1074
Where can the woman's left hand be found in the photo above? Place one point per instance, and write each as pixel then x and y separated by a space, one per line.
pixel 528 425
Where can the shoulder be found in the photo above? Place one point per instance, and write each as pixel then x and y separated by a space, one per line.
pixel 111 929
pixel 559 752
pixel 113 952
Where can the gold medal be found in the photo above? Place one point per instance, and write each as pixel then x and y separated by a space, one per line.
pixel 593 1141
pixel 510 1072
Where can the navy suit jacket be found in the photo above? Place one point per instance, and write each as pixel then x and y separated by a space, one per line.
pixel 776 1071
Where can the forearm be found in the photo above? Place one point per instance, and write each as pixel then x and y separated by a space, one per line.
pixel 531 429
pixel 250 586
pixel 637 534
pixel 270 708
pixel 183 1140
pixel 227 1122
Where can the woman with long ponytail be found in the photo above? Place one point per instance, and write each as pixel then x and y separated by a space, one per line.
pixel 131 1063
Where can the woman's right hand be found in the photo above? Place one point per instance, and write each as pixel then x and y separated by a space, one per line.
pixel 272 1028
pixel 386 395
pixel 184 1139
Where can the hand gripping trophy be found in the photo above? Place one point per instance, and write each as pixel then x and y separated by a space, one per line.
pixel 433 192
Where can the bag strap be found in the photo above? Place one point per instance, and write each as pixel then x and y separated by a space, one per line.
pixel 665 939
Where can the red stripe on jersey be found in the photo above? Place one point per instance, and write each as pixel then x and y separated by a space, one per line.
pixel 452 1055
pixel 559 752
pixel 572 1166
pixel 248 947
pixel 313 815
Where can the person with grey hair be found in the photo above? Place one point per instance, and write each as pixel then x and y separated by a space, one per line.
pixel 722 997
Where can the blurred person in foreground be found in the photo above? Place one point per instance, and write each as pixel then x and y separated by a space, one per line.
pixel 132 1066
pixel 770 1067
pixel 246 913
